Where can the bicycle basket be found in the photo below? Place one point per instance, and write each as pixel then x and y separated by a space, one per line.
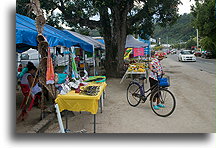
pixel 164 82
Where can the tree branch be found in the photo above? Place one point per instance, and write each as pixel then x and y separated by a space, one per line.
pixel 92 24
pixel 60 7
pixel 137 17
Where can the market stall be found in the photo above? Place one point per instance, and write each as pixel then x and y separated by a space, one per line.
pixel 83 101
pixel 135 58
pixel 80 93
pixel 71 97
pixel 38 35
pixel 96 45
pixel 135 69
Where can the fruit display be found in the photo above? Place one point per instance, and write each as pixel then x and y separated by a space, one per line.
pixel 137 67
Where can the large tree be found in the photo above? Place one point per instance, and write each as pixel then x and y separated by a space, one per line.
pixel 117 19
pixel 205 21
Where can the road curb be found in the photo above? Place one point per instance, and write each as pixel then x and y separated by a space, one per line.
pixel 41 126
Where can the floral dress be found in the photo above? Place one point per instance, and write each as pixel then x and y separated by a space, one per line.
pixel 156 64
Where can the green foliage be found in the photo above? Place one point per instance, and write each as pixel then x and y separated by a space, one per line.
pixel 179 46
pixel 205 21
pixel 94 33
pixel 156 48
pixel 23 8
pixel 77 13
pixel 190 43
pixel 83 31
pixel 204 17
pixel 181 31
pixel 88 32
pixel 176 46
pixel 53 20
pixel 143 17
pixel 208 44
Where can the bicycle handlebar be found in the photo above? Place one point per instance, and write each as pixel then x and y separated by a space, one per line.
pixel 161 75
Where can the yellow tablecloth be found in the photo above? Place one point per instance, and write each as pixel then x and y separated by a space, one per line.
pixel 77 102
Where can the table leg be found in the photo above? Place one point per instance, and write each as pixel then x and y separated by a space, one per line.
pixel 104 94
pixel 66 119
pixel 61 126
pixel 102 97
pixel 101 104
pixel 123 77
pixel 94 123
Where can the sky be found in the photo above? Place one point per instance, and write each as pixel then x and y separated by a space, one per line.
pixel 185 7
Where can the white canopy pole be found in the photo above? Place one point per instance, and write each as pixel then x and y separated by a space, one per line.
pixel 61 126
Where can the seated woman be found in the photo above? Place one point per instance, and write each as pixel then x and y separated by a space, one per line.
pixel 25 69
pixel 28 78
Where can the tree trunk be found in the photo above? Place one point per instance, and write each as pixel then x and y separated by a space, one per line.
pixel 107 34
pixel 116 44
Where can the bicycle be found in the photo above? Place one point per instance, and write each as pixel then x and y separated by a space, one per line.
pixel 136 93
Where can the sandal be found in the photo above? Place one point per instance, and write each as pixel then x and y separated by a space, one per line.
pixel 161 105
pixel 156 107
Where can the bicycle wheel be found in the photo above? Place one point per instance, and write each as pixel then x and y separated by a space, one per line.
pixel 166 98
pixel 133 94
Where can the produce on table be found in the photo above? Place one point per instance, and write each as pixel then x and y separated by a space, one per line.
pixel 137 67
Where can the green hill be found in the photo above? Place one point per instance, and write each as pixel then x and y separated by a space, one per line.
pixel 181 31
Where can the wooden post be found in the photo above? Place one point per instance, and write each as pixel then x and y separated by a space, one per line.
pixel 42 49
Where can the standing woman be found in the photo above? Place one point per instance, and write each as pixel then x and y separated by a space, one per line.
pixel 155 70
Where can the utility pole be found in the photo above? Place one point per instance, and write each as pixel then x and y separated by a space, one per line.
pixel 198 39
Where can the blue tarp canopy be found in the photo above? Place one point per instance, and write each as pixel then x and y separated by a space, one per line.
pixel 26 34
pixel 101 40
pixel 85 38
pixel 78 38
pixel 147 50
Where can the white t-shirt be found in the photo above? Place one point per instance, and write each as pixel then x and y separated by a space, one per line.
pixel 36 89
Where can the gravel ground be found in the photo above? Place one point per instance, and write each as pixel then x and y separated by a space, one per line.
pixel 195 112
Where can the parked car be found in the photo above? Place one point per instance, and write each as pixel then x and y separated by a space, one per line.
pixel 197 53
pixel 186 55
pixel 173 51
pixel 168 51
pixel 206 54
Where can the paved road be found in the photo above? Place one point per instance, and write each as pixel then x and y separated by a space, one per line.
pixel 201 64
